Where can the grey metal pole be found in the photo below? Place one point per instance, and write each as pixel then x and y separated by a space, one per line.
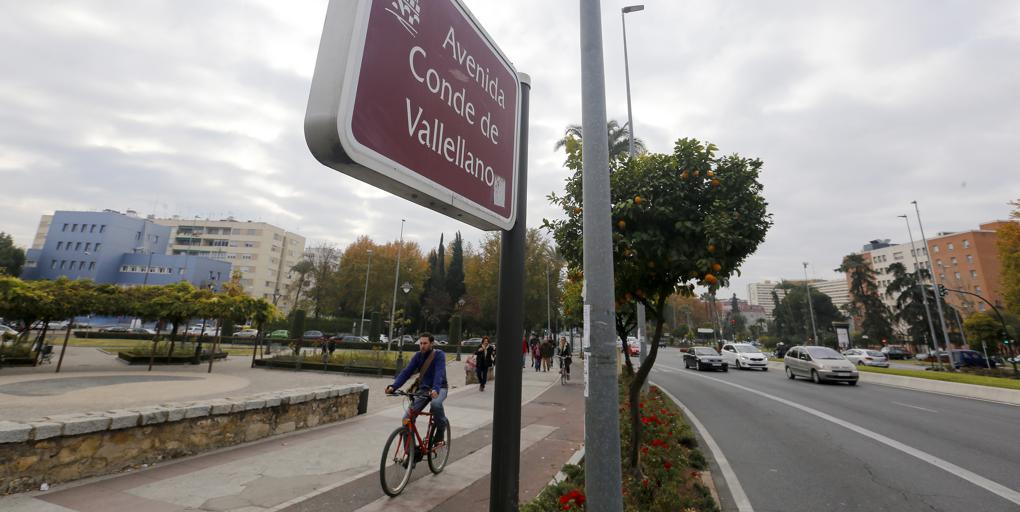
pixel 396 279
pixel 626 73
pixel 504 482
pixel 601 418
pixel 811 309
pixel 548 304
pixel 920 283
pixel 641 340
pixel 364 298
pixel 938 298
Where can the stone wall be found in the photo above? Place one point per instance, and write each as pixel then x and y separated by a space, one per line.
pixel 68 447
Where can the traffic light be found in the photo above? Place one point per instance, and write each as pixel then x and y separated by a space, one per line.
pixel 942 290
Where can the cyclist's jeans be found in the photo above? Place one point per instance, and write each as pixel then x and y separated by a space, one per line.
pixel 438 414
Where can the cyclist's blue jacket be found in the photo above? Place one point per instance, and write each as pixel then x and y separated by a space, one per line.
pixel 435 376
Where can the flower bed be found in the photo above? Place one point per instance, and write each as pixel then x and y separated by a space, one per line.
pixel 671 465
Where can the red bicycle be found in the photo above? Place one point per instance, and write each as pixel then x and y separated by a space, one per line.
pixel 405 447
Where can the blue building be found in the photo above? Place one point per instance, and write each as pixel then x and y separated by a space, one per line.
pixel 118 248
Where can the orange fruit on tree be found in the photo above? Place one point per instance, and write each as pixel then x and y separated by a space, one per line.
pixel 710 174
pixel 696 172
pixel 715 183
pixel 716 267
pixel 710 279
pixel 622 224
pixel 711 247
pixel 638 200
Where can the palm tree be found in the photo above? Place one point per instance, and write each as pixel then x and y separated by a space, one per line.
pixel 619 139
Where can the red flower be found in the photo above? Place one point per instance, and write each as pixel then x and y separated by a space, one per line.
pixel 644 449
pixel 667 465
pixel 658 442
pixel 568 500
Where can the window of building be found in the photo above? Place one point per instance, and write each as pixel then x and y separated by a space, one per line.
pixel 973 273
pixel 81 265
pixel 88 245
pixel 97 247
pixel 942 277
pixel 269 283
pixel 938 262
pixel 953 260
pixel 180 271
pixel 981 306
pixel 970 258
pixel 247 257
pixel 935 249
pixel 233 243
pixel 254 232
pixel 977 290
pixel 123 268
pixel 92 265
pixel 235 231
pixel 102 228
pixel 966 244
pixel 59 245
pixel 65 227
pixel 220 243
pixel 276 237
pixel 949 246
pixel 956 275
pixel 74 227
pixel 92 228
pixel 250 244
pixel 53 264
pixel 897 255
pixel 63 264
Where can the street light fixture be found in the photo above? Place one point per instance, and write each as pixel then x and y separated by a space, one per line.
pixel 938 298
pixel 920 283
pixel 626 72
pixel 406 288
pixel 364 298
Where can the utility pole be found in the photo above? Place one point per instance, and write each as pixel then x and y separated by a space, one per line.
pixel 938 298
pixel 601 420
pixel 920 283
pixel 811 309
pixel 396 279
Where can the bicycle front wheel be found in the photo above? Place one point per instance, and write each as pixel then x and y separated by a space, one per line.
pixel 439 453
pixel 397 462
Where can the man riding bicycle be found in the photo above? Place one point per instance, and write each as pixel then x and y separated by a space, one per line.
pixel 431 380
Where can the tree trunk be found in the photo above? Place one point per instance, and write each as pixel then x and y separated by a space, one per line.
pixel 67 336
pixel 634 393
pixel 258 342
pixel 41 342
pixel 216 341
pixel 155 342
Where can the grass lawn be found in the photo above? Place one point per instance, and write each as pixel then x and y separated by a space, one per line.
pixel 112 346
pixel 964 378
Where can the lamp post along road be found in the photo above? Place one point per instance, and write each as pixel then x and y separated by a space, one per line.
pixel 920 284
pixel 811 309
pixel 938 299
pixel 364 298
pixel 406 288
pixel 630 150
pixel 601 419
pixel 396 279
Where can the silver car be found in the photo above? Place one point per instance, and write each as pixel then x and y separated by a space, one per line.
pixel 865 357
pixel 819 364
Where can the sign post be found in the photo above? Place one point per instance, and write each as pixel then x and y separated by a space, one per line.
pixel 416 99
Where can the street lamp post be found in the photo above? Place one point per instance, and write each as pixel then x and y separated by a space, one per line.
pixel 626 72
pixel 811 309
pixel 406 288
pixel 396 279
pixel 920 283
pixel 548 303
pixel 938 298
pixel 364 298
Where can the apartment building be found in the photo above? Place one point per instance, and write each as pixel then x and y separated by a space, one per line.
pixel 881 254
pixel 760 294
pixel 837 289
pixel 969 261
pixel 262 252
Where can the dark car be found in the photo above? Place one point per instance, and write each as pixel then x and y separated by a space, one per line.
pixel 704 358
pixel 115 328
pixel 894 352
pixel 313 335
pixel 970 359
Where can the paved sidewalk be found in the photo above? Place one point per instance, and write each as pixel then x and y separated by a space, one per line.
pixel 335 467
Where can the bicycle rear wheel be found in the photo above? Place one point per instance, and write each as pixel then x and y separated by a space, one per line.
pixel 397 462
pixel 563 377
pixel 440 452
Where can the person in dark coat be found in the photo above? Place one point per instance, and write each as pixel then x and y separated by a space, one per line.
pixel 484 359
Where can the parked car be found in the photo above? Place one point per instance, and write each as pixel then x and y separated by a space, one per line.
pixel 6 331
pixel 142 330
pixel 895 352
pixel 115 328
pixel 929 357
pixel 472 342
pixel 246 333
pixel 970 359
pixel 819 364
pixel 865 357
pixel 313 335
pixel 57 326
pixel 702 358
pixel 441 339
pixel 279 334
pixel 744 355
pixel 350 338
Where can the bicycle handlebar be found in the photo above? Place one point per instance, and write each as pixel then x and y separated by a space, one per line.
pixel 400 392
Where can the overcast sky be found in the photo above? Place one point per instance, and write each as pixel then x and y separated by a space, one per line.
pixel 196 108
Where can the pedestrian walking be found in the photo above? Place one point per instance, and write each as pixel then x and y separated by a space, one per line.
pixel 536 353
pixel 484 359
pixel 524 351
pixel 547 350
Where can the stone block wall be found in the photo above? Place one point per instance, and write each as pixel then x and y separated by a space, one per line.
pixel 63 448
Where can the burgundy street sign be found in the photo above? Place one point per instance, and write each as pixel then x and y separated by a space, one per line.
pixel 415 98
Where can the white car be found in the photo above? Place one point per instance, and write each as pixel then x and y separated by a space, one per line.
pixel 246 333
pixel 865 357
pixel 744 355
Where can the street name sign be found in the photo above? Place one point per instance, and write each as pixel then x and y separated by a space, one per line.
pixel 415 98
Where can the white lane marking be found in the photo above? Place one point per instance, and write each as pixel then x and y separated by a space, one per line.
pixel 916 407
pixel 974 478
pixel 743 504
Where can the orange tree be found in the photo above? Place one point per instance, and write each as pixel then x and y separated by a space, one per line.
pixel 680 219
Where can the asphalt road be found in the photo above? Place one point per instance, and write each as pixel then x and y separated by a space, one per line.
pixel 799 446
